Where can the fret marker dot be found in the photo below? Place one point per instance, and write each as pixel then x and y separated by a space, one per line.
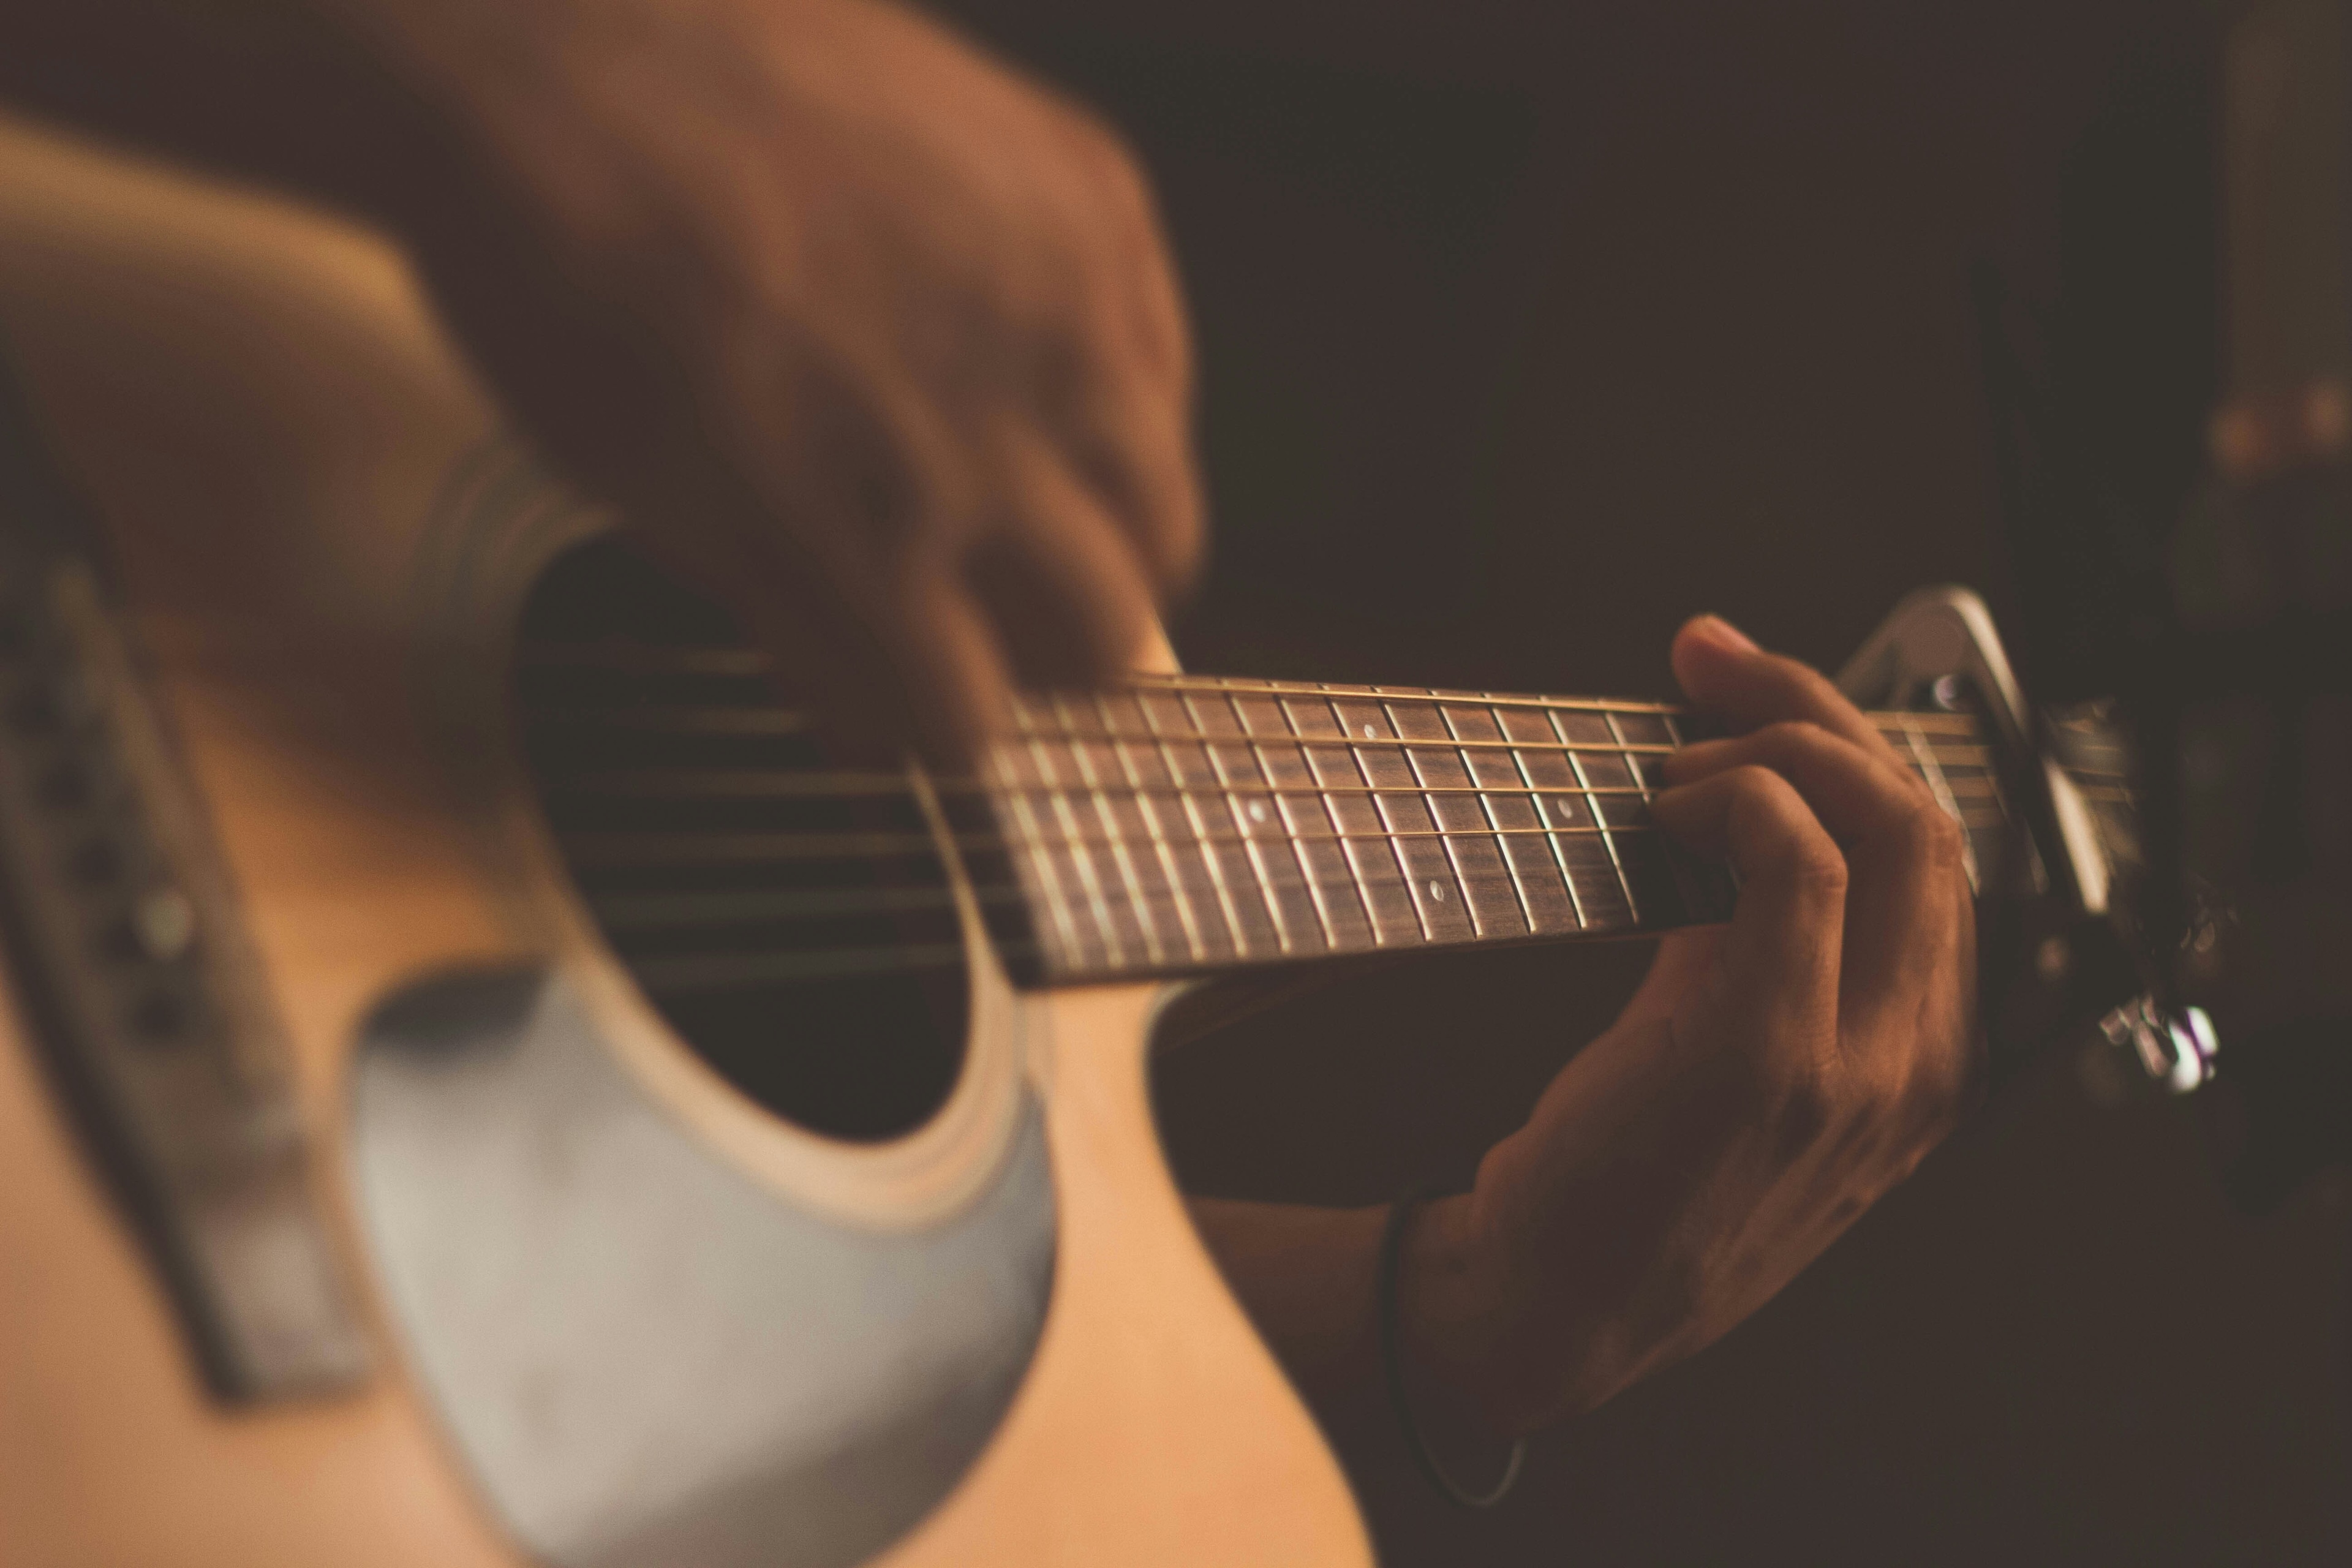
pixel 1258 810
pixel 1368 732
pixel 1437 892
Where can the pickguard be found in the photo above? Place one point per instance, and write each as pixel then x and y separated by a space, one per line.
pixel 645 1356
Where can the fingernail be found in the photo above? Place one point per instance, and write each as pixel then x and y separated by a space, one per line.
pixel 1723 634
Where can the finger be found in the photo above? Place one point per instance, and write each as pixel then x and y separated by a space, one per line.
pixel 1124 429
pixel 1151 303
pixel 917 665
pixel 1906 889
pixel 1780 955
pixel 920 665
pixel 1857 794
pixel 887 644
pixel 1132 448
pixel 1684 959
pixel 1729 676
pixel 1113 382
pixel 950 674
pixel 1062 587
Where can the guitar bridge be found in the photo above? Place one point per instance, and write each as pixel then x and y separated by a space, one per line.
pixel 133 983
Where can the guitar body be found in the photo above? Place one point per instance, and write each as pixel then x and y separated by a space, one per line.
pixel 269 432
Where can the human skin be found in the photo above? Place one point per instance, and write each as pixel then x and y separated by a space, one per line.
pixel 860 328
pixel 881 342
pixel 1769 1081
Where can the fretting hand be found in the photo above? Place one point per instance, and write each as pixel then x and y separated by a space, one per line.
pixel 882 341
pixel 1768 1083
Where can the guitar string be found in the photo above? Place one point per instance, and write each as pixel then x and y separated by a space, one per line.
pixel 669 973
pixel 651 658
pixel 687 970
pixel 761 784
pixel 658 659
pixel 600 852
pixel 1960 755
pixel 654 846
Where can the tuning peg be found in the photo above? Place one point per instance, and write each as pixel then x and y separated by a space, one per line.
pixel 2174 1048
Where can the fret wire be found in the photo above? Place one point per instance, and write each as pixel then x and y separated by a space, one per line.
pixel 1924 762
pixel 1484 804
pixel 1685 882
pixel 1452 860
pixel 1058 829
pixel 1326 884
pixel 754 784
pixel 785 781
pixel 1478 922
pixel 612 848
pixel 1945 723
pixel 1961 756
pixel 1389 833
pixel 1185 914
pixel 1147 918
pixel 738 661
pixel 1081 861
pixel 1209 859
pixel 669 911
pixel 781 722
pixel 1607 844
pixel 1984 789
pixel 1378 933
pixel 1355 874
pixel 1965 725
pixel 1041 862
pixel 1382 934
pixel 1973 788
pixel 1396 847
pixel 1960 751
pixel 1551 819
pixel 1290 843
pixel 1946 749
pixel 1228 684
pixel 1618 735
pixel 1144 920
pixel 1399 740
pixel 601 850
pixel 1250 852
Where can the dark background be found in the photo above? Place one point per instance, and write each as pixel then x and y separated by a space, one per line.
pixel 1527 331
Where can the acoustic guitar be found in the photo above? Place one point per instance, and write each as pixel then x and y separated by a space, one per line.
pixel 478 1085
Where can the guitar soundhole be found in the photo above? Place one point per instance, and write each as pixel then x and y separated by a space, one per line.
pixel 789 918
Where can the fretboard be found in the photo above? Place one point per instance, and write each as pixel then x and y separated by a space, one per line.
pixel 1188 824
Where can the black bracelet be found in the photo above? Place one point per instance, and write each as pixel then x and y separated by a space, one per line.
pixel 1392 1363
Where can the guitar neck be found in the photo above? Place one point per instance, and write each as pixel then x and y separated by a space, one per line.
pixel 1186 825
